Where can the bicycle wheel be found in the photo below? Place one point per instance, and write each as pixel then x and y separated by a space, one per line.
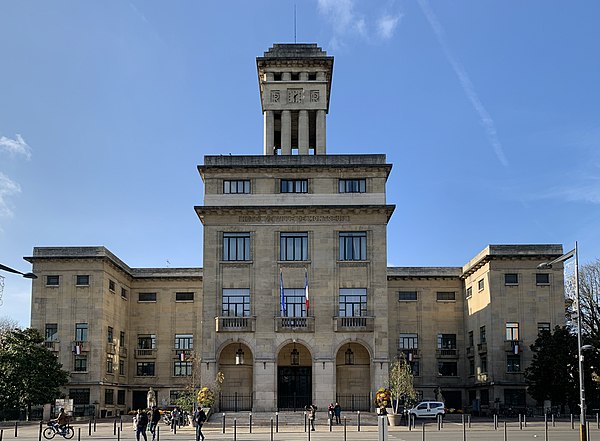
pixel 69 432
pixel 49 433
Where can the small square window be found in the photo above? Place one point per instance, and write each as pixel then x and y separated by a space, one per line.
pixel 184 296
pixel 147 297
pixel 511 279
pixel 407 296
pixel 542 279
pixel 446 296
pixel 480 284
pixel 124 293
pixel 312 76
pixel 469 292
pixel 276 76
pixel 52 280
pixel 111 285
pixel 83 280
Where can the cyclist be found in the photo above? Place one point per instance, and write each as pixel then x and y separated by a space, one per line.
pixel 62 420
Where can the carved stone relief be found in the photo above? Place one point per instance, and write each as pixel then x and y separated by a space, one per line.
pixel 294 95
pixel 314 96
pixel 275 96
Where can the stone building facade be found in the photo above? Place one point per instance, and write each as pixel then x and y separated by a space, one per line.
pixel 295 302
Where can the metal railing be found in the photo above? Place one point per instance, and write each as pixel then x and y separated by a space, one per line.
pixel 235 402
pixel 354 402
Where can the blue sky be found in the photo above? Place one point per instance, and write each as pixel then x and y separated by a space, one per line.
pixel 488 111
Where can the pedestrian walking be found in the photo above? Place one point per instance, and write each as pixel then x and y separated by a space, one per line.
pixel 154 420
pixel 141 424
pixel 199 419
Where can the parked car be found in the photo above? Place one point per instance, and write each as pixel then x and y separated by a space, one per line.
pixel 428 409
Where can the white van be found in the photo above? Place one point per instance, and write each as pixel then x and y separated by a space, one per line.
pixel 428 409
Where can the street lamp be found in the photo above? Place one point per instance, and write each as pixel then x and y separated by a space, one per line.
pixel 580 348
pixel 11 270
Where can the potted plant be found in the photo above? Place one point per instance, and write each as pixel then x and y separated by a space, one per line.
pixel 401 388
pixel 383 400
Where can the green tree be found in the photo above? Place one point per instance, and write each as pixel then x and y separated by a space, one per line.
pixel 31 374
pixel 401 382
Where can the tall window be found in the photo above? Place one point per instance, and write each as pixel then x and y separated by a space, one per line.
pixel 184 341
pixel 145 369
pixel 293 246
pixel 81 331
pixel 182 368
pixel 121 367
pixel 147 341
pixel 470 338
pixel 51 333
pixel 482 337
pixel 109 363
pixel 353 302
pixel 469 292
pixel 408 341
pixel 236 302
pixel 447 368
pixel 294 186
pixel 513 363
pixel 120 397
pixel 446 341
pixel 236 246
pixel 122 338
pixel 236 186
pixel 483 361
pixel 512 331
pixel 80 363
pixel 471 366
pixel 353 245
pixel 480 284
pixel 352 185
pixel 295 302
pixel 109 334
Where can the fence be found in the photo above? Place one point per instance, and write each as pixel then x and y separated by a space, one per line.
pixel 235 402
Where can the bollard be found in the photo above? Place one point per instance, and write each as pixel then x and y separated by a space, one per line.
pixel 439 422
pixel 572 424
pixel 330 424
pixel 597 421
pixel 157 432
pixel 277 422
pixel 505 434
pixel 271 429
pixel 305 421
pixel 469 420
pixel 94 424
pixel 358 419
pixel 223 422
pixel 1 434
pixel 16 425
pixel 121 422
pixel 410 422
pixel 119 435
pixel 495 422
pixel 553 425
pixel 40 432
pixel 545 427
pixel 235 429
pixel 464 431
pixel 344 429
pixel 525 419
pixel 79 434
pixel 90 428
pixel 115 426
pixel 250 422
pixel 308 432
pixel 423 426
pixel 520 423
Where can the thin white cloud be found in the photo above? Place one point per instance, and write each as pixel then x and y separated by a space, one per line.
pixel 466 84
pixel 386 26
pixel 7 188
pixel 16 146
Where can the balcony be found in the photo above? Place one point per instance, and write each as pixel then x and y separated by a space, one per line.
pixel 235 324
pixel 294 324
pixel 122 351
pixel 470 351
pixel 145 353
pixel 510 345
pixel 353 324
pixel 482 348
pixel 409 354
pixel 111 348
pixel 446 353
pixel 84 345
pixel 176 353
pixel 52 345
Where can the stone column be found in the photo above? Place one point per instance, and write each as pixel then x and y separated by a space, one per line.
pixel 320 148
pixel 269 133
pixel 303 132
pixel 286 133
pixel 325 383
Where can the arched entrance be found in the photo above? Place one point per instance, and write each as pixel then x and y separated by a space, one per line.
pixel 353 377
pixel 294 377
pixel 236 364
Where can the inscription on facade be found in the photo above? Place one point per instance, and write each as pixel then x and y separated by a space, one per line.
pixel 314 96
pixel 294 95
pixel 259 219
pixel 275 96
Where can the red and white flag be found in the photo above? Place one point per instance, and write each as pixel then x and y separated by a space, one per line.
pixel 306 290
pixel 182 356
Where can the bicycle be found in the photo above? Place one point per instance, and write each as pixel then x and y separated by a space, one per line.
pixel 54 429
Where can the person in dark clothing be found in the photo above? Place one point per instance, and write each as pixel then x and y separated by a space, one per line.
pixel 312 413
pixel 337 410
pixel 154 420
pixel 141 424
pixel 199 419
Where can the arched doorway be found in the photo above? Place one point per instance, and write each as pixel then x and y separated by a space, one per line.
pixel 353 377
pixel 236 364
pixel 294 377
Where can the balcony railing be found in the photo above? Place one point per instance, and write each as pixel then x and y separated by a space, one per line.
pixel 122 351
pixel 446 353
pixel 145 353
pixel 52 345
pixel 84 345
pixel 409 354
pixel 235 324
pixel 509 346
pixel 482 348
pixel 470 351
pixel 296 324
pixel 353 324
pixel 111 348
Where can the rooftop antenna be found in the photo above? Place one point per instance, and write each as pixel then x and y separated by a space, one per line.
pixel 294 23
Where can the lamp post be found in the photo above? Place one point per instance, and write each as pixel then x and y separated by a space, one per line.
pixel 11 270
pixel 580 348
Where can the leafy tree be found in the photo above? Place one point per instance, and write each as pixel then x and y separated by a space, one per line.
pixel 31 374
pixel 401 382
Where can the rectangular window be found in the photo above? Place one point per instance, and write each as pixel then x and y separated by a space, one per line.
pixel 236 246
pixel 120 397
pixel 353 302
pixel 469 292
pixel 514 397
pixel 353 245
pixel 480 284
pixel 543 327
pixel 447 368
pixel 52 280
pixel 512 331
pixel 147 297
pixel 471 340
pixel 147 341
pixel 82 280
pixel 80 363
pixel 184 341
pixel 145 369
pixel 81 331
pixel 111 285
pixel 182 368
pixel 124 293
pixel 293 246
pixel 236 186
pixel 407 296
pixel 511 279
pixel 408 341
pixel 471 367
pixel 109 364
pixel 184 296
pixel 513 363
pixel 294 186
pixel 542 279
pixel 295 302
pixel 446 341
pixel 121 367
pixel 482 338
pixel 414 367
pixel 236 302
pixel 352 185
pixel 122 338
pixel 80 396
pixel 109 334
pixel 483 361
pixel 51 333
pixel 109 395
pixel 446 296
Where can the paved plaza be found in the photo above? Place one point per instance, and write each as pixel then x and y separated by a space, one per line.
pixel 452 431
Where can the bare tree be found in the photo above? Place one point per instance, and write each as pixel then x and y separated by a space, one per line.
pixel 589 293
pixel 8 324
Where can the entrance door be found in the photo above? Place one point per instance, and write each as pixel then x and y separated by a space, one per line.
pixel 138 398
pixel 294 386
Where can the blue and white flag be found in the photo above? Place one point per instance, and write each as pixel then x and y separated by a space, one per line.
pixel 282 294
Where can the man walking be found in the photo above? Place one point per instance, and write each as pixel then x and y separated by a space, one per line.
pixel 154 420
pixel 141 424
pixel 199 418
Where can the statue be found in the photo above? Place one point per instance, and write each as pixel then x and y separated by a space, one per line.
pixel 151 398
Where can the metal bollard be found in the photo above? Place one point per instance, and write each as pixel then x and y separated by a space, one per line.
pixel 1 434
pixel 439 422
pixel 553 424
pixel 308 432
pixel 505 434
pixel 597 421
pixel 157 433
pixel 423 426
pixel 305 421
pixel 40 432
pixel 223 422
pixel 79 434
pixel 250 422
pixel 16 426
pixel 572 423
pixel 464 430
pixel 115 426
pixel 495 422
pixel 271 429
pixel 234 429
pixel 90 428
pixel 94 424
pixel 344 429
pixel 545 427
pixel 277 422
pixel 121 422
pixel 520 423
pixel 469 420
pixel 119 435
pixel 330 424
pixel 525 420
pixel 358 419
